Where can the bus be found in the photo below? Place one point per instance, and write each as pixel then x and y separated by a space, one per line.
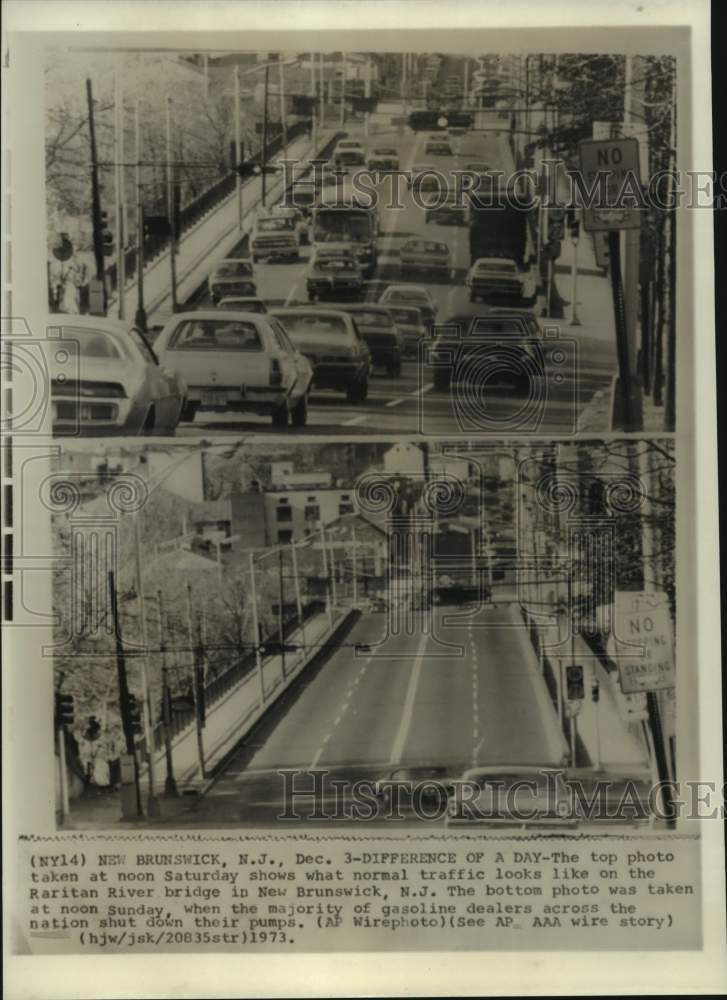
pixel 347 223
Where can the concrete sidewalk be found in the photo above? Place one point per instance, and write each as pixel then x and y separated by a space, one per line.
pixel 211 239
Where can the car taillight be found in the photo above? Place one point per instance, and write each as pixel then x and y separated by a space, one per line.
pixel 276 372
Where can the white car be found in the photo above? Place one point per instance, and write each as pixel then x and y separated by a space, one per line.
pixel 107 379
pixel 242 362
pixel 500 277
pixel 349 153
pixel 411 295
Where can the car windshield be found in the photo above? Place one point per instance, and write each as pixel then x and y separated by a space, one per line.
pixel 486 324
pixel 497 266
pixel 94 343
pixel 243 305
pixel 424 246
pixel 349 145
pixel 373 317
pixel 298 324
pixel 335 264
pixel 410 317
pixel 346 226
pixel 233 269
pixel 409 295
pixel 215 335
pixel 280 222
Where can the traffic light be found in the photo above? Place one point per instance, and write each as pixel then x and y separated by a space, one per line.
pixel 574 682
pixel 92 730
pixel 574 226
pixel 556 219
pixel 107 237
pixel 64 709
pixel 134 714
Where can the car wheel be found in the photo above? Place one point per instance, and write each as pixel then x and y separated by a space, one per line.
pixel 256 258
pixel 312 296
pixel 188 412
pixel 358 391
pixel 442 380
pixel 281 416
pixel 149 422
pixel 393 369
pixel 299 416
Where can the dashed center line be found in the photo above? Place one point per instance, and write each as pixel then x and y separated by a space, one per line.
pixel 342 712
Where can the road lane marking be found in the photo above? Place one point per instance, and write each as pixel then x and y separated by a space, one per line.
pixel 344 707
pixel 425 388
pixel 355 420
pixel 395 402
pixel 406 715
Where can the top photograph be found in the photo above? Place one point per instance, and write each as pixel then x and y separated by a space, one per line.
pixel 360 243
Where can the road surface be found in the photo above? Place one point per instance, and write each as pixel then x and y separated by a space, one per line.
pixel 409 404
pixel 461 694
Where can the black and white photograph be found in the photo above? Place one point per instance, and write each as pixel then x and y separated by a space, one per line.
pixel 361 242
pixel 235 627
pixel 359 482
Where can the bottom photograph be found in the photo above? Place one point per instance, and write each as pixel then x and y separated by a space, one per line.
pixel 403 634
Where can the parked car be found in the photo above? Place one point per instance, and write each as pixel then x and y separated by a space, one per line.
pixel 411 295
pixel 232 276
pixel 425 255
pixel 339 356
pixel 491 277
pixel 411 325
pixel 238 361
pixel 382 159
pixel 385 341
pixel 334 272
pixel 112 381
pixel 274 236
pixel 438 147
pixel 243 303
pixel 349 153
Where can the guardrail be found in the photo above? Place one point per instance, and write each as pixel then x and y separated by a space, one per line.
pixel 241 696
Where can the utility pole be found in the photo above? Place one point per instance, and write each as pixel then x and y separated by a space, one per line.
pixel 283 115
pixel 256 630
pixel 265 135
pixel 171 205
pixel 298 602
pixel 326 575
pixel 130 797
pixel 323 88
pixel 96 199
pixel 238 146
pixel 632 238
pixel 367 92
pixel 152 805
pixel 343 90
pixel 281 617
pixel 355 567
pixel 170 784
pixel 140 318
pixel 574 318
pixel 195 692
pixel 119 191
pixel 622 347
pixel 466 84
